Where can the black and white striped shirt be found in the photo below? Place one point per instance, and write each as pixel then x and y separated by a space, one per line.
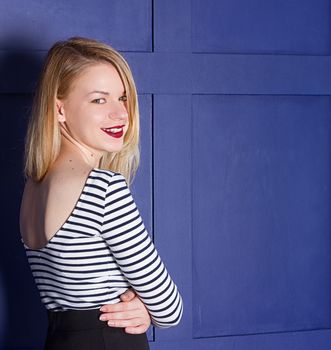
pixel 100 251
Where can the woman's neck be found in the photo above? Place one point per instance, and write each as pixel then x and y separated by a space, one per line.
pixel 72 150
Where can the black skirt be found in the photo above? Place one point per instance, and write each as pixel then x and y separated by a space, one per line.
pixel 82 329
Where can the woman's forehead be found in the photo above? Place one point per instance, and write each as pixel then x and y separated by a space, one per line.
pixel 100 77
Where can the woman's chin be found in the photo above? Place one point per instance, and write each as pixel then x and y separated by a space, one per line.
pixel 114 148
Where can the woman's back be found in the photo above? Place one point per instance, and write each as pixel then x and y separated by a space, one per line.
pixel 46 205
pixel 76 268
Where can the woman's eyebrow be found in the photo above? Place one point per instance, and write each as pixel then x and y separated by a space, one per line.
pixel 102 92
pixel 98 92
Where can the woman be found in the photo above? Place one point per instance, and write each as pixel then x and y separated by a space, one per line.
pixel 84 237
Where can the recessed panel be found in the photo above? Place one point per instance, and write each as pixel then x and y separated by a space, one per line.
pixel 125 24
pixel 255 26
pixel 261 214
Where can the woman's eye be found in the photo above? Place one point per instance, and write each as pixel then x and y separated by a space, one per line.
pixel 99 101
pixel 123 98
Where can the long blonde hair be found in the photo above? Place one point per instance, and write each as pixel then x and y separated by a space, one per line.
pixel 64 62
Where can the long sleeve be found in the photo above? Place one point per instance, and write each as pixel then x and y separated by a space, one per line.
pixel 137 257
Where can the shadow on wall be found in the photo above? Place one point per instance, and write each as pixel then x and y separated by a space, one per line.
pixel 22 317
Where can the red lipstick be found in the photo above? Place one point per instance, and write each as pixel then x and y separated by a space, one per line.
pixel 117 134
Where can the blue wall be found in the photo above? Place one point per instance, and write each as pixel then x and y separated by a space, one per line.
pixel 234 183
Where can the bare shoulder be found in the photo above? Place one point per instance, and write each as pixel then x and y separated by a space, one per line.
pixel 67 176
pixel 46 205
pixel 65 185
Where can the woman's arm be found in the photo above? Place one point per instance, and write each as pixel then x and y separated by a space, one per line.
pixel 137 257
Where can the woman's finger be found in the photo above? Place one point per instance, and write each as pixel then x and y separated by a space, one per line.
pixel 125 315
pixel 128 295
pixel 122 306
pixel 137 330
pixel 134 322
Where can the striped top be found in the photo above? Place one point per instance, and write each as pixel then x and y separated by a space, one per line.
pixel 100 251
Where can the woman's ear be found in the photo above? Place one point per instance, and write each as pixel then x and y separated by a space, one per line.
pixel 60 111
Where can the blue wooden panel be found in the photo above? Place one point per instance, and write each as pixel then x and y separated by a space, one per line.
pixel 4 309
pixel 182 73
pixel 19 295
pixel 261 214
pixel 320 339
pixel 255 26
pixel 172 201
pixel 260 74
pixel 172 29
pixel 15 77
pixel 164 73
pixel 125 24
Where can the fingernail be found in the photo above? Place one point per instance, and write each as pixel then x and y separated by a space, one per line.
pixel 103 318
pixel 111 323
pixel 102 309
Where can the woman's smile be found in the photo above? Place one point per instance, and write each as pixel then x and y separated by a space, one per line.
pixel 116 131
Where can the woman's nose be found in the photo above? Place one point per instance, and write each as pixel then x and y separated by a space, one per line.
pixel 118 112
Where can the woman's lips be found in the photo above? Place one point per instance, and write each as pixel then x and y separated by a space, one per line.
pixel 114 133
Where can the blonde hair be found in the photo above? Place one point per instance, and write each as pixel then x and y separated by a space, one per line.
pixel 64 62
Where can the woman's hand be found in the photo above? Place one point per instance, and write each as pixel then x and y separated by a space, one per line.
pixel 130 314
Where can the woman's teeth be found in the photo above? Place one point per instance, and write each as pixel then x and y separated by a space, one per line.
pixel 114 130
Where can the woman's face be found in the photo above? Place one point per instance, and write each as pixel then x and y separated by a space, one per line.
pixel 95 110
